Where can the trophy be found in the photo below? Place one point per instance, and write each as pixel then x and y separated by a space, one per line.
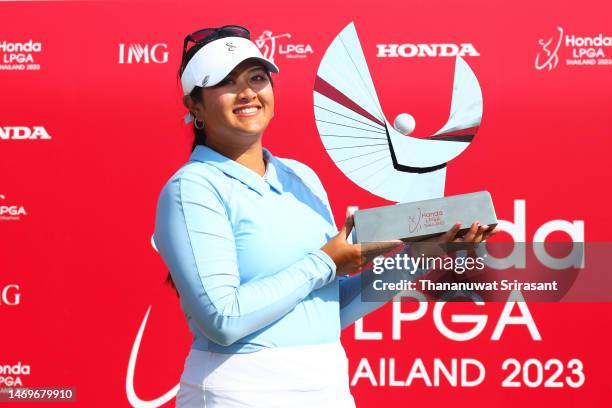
pixel 386 160
pixel 424 219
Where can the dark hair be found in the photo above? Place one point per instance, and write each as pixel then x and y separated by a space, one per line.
pixel 199 135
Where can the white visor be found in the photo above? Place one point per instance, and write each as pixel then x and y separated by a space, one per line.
pixel 217 59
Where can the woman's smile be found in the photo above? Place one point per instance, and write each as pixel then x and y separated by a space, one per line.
pixel 247 111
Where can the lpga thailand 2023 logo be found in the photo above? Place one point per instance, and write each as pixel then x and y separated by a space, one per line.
pixel 19 56
pixel 426 219
pixel 576 50
pixel 11 375
pixel 272 45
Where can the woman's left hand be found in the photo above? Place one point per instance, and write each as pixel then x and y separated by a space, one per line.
pixel 439 246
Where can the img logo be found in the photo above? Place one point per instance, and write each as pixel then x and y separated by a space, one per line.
pixel 268 45
pixel 143 54
pixel 547 58
pixel 10 295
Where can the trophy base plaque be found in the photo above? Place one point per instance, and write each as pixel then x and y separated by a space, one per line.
pixel 424 219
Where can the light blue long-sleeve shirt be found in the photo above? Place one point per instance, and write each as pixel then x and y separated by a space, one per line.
pixel 244 253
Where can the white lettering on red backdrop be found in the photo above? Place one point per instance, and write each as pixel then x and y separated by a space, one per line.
pixel 426 50
pixel 145 54
pixel 23 133
pixel 10 295
pixel 579 50
pixel 19 56
pixel 269 45
pixel 10 211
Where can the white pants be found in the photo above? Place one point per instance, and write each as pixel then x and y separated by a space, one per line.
pixel 283 377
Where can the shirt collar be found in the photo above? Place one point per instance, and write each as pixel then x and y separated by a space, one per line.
pixel 271 175
pixel 240 172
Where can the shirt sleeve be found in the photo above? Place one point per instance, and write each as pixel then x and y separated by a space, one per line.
pixel 194 237
pixel 356 288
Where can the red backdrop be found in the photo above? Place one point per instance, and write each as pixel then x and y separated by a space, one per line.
pixel 89 138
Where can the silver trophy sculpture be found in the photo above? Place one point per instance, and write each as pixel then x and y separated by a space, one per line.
pixel 384 159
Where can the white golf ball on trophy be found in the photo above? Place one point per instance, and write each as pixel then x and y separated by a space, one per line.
pixel 404 123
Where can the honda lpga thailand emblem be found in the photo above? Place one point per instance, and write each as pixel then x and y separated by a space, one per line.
pixel 547 58
pixel 415 222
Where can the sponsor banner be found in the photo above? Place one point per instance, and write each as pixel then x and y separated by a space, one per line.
pixel 19 56
pixel 87 143
pixel 134 53
pixel 10 211
pixel 10 295
pixel 24 133
pixel 425 50
pixel 573 50
pixel 282 45
pixel 13 374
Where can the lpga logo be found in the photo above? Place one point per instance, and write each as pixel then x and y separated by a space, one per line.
pixel 415 222
pixel 267 43
pixel 10 212
pixel 551 58
pixel 577 50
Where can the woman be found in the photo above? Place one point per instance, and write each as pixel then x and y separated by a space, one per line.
pixel 251 245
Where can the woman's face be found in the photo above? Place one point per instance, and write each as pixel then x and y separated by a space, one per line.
pixel 239 108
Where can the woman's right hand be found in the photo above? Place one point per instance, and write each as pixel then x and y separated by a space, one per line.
pixel 351 257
